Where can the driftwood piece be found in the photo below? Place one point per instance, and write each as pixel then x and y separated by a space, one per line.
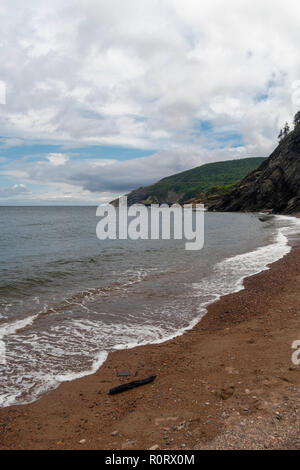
pixel 130 385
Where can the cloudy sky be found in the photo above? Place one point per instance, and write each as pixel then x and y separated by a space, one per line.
pixel 99 97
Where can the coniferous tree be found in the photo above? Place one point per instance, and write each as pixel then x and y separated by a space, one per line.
pixel 286 129
pixel 280 136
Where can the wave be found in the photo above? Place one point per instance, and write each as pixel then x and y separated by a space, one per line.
pixel 7 329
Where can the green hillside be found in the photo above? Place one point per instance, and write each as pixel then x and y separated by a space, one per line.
pixel 186 185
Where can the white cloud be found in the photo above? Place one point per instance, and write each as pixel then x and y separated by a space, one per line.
pixel 57 159
pixel 145 74
pixel 13 191
pixel 2 92
pixel 141 59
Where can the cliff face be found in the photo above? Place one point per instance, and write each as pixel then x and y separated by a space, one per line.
pixel 275 185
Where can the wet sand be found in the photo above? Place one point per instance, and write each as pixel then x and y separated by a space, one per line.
pixel 227 384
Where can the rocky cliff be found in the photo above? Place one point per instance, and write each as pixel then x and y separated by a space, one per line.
pixel 275 185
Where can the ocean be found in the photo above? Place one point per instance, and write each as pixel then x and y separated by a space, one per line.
pixel 67 299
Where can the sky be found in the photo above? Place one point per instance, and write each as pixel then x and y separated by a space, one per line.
pixel 99 97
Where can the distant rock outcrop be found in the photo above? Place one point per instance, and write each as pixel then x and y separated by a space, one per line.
pixel 185 186
pixel 274 186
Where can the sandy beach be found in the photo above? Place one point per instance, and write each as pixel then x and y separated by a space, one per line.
pixel 229 383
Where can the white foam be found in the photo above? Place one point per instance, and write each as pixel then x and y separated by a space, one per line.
pixel 254 262
pixel 44 382
pixel 229 274
pixel 11 328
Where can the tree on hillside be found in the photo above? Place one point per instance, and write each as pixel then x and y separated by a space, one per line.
pixel 286 129
pixel 297 119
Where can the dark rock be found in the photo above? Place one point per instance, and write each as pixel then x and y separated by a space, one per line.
pixel 226 393
pixel 124 374
pixel 273 187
